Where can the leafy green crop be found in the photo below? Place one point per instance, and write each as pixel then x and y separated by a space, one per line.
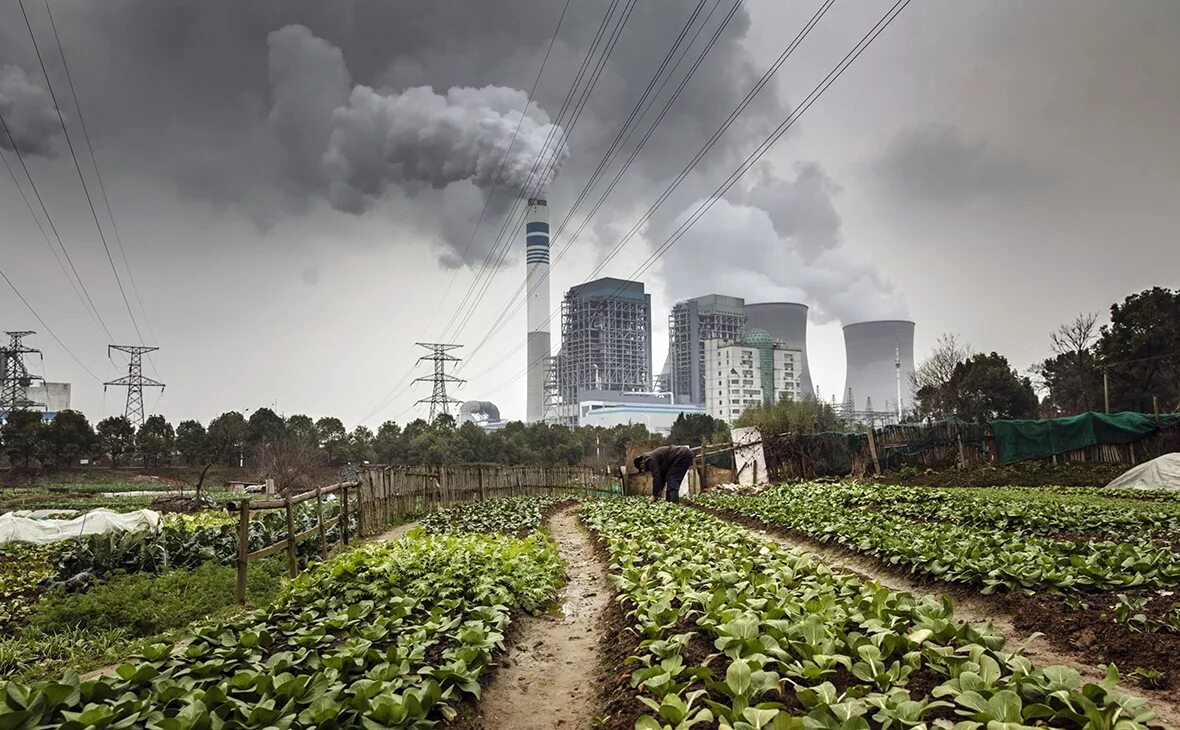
pixel 993 558
pixel 386 635
pixel 512 515
pixel 794 645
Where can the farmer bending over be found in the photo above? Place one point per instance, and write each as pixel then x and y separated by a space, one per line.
pixel 668 465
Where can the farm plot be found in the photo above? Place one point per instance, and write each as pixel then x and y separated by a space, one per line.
pixel 1095 574
pixel 386 635
pixel 745 634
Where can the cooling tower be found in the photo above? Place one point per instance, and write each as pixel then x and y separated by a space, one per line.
pixel 787 322
pixel 536 246
pixel 872 350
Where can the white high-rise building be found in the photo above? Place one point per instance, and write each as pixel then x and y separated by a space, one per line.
pixel 755 371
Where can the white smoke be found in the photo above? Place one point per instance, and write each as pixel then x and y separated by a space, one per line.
pixel 419 136
pixel 736 248
pixel 28 112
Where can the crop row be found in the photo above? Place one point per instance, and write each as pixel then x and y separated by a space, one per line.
pixel 510 515
pixel 992 558
pixel 1042 512
pixel 790 644
pixel 386 635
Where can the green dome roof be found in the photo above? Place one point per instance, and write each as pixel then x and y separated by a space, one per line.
pixel 756 337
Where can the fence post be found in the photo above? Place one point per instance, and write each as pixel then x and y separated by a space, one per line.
pixel 962 456
pixel 873 451
pixel 319 513
pixel 482 496
pixel 243 547
pixel 292 561
pixel 344 515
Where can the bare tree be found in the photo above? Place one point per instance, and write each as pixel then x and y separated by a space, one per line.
pixel 291 461
pixel 931 380
pixel 1075 337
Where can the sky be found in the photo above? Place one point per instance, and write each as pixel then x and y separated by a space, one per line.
pixel 301 190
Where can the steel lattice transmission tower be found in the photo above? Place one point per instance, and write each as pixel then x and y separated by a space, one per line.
pixel 134 381
pixel 15 373
pixel 439 401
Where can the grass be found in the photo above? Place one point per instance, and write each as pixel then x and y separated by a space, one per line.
pixel 86 631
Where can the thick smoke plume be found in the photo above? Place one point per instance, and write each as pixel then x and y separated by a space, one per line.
pixel 418 136
pixel 358 142
pixel 28 112
pixel 780 240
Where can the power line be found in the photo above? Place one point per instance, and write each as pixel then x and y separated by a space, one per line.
pixel 98 174
pixel 46 326
pixel 52 226
pixel 78 168
pixel 833 75
pixel 500 168
pixel 510 308
pixel 500 240
pixel 693 162
pixel 45 236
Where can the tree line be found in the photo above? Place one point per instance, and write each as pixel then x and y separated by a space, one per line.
pixel 1138 350
pixel 289 448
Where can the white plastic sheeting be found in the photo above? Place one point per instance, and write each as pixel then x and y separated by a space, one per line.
pixel 43 532
pixel 748 456
pixel 1162 472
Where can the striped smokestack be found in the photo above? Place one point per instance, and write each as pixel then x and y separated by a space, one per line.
pixel 536 241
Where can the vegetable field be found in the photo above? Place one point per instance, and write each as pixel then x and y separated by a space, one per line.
pixel 619 613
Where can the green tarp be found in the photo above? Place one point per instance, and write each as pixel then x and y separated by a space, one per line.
pixel 1024 440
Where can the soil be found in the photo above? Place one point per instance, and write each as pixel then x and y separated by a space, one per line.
pixel 1025 474
pixel 1041 626
pixel 546 678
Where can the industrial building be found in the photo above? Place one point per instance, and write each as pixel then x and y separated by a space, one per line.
pixel 786 322
pixel 755 371
pixel 482 413
pixel 880 366
pixel 605 344
pixel 657 416
pixel 691 323
pixel 536 237
pixel 51 397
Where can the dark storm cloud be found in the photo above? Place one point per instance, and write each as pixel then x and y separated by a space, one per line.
pixel 28 114
pixel 204 95
pixel 937 163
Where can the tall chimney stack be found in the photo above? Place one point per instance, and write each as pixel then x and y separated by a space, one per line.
pixel 536 240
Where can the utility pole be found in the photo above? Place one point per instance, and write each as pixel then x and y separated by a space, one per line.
pixel 439 401
pixel 134 381
pixel 15 373
pixel 1106 389
pixel 898 363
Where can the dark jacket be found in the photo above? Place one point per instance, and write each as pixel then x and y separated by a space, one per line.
pixel 668 460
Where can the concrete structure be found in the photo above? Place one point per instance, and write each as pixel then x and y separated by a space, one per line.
pixel 691 323
pixel 787 323
pixel 536 237
pixel 52 397
pixel 755 371
pixel 605 340
pixel 873 351
pixel 656 417
pixel 482 413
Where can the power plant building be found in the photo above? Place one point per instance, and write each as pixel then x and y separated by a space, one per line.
pixel 755 371
pixel 694 322
pixel 880 364
pixel 605 344
pixel 786 322
pixel 536 237
pixel 691 323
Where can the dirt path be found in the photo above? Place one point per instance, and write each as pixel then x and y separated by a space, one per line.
pixel 973 609
pixel 546 679
pixel 396 532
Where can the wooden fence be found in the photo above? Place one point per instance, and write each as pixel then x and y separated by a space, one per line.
pixel 390 494
pixel 291 543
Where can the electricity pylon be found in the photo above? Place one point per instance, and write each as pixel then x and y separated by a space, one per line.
pixel 134 381
pixel 15 373
pixel 439 401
